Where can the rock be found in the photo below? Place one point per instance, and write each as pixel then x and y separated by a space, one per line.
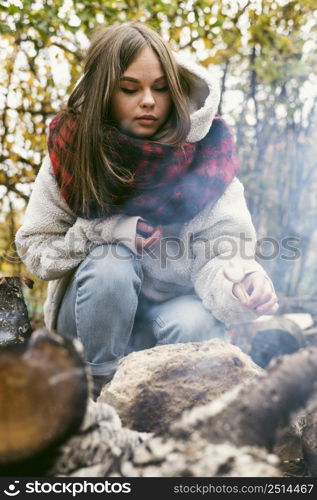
pixel 267 338
pixel 311 336
pixel 152 388
pixel 303 320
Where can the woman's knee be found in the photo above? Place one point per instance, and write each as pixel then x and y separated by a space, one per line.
pixel 198 327
pixel 192 323
pixel 114 264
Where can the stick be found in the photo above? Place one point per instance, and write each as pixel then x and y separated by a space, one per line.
pixel 235 274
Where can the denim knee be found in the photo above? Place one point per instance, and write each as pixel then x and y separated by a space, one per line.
pixel 193 323
pixel 99 283
pixel 100 304
pixel 109 266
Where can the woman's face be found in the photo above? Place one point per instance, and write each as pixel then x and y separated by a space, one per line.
pixel 142 103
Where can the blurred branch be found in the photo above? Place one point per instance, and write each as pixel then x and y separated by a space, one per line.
pixel 20 159
pixel 6 108
pixel 223 86
pixel 30 61
pixel 14 189
pixel 241 11
pixel 311 117
pixel 41 111
pixel 77 55
pixel 190 43
pixel 307 179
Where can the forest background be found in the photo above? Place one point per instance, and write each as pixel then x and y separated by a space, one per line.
pixel 265 55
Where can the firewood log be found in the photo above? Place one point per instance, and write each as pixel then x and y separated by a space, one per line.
pixel 43 398
pixel 15 326
pixel 252 414
pixel 309 441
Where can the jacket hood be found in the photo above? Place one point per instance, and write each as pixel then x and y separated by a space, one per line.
pixel 204 97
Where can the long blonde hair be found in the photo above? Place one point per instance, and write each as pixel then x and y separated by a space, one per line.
pixel 95 180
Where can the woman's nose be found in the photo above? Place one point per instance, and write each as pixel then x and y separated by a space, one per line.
pixel 147 98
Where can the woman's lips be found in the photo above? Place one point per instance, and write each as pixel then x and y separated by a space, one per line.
pixel 146 121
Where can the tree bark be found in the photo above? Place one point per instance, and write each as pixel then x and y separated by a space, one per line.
pixel 309 441
pixel 15 326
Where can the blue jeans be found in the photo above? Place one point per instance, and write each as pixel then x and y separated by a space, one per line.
pixel 103 307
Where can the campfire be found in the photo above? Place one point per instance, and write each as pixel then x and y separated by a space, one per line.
pixel 201 409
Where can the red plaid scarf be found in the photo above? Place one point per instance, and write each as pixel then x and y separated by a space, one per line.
pixel 171 184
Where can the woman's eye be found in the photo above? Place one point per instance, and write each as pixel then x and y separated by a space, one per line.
pixel 133 91
pixel 128 91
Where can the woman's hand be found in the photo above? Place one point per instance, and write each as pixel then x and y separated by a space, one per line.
pixel 147 234
pixel 257 294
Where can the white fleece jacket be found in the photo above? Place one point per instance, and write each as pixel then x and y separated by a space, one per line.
pixel 189 259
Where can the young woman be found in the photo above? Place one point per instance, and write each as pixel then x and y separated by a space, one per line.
pixel 137 209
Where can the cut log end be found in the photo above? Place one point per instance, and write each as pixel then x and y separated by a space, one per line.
pixel 43 395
